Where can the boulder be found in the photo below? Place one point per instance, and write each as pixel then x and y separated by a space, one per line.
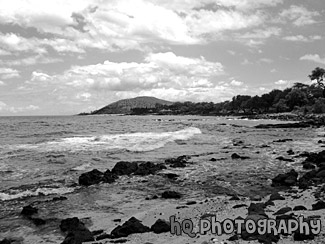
pixel 91 178
pixel 160 226
pixel 287 179
pixel 131 226
pixel 77 232
pixel 148 168
pixel 29 211
pixel 124 168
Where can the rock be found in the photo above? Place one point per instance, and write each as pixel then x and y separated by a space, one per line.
pixel 109 177
pixel 171 176
pixel 191 203
pixel 299 207
pixel 148 168
pixel 321 174
pixel 257 209
pixel 124 168
pixel 236 156
pixel 256 198
pixel 276 196
pixel 171 194
pixel 304 124
pixel 283 211
pixel 90 178
pixel 103 236
pixel 234 198
pixel 308 165
pixel 131 226
pixel 29 211
pixel 287 179
pixel 290 152
pixel 61 198
pixel 77 232
pixel 297 236
pixel 5 241
pixel 179 162
pixel 239 206
pixel 319 205
pixel 160 226
pixel 284 159
pixel 213 159
pixel 38 221
pixel 282 140
pixel 233 238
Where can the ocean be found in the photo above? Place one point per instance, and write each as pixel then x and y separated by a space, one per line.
pixel 42 157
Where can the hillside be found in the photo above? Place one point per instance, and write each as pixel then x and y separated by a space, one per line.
pixel 124 106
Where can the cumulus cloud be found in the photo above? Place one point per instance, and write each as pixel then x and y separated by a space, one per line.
pixel 236 83
pixel 299 15
pixel 281 82
pixel 8 73
pixel 6 108
pixel 301 38
pixel 314 58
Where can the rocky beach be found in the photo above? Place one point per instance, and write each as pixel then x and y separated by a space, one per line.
pixel 246 169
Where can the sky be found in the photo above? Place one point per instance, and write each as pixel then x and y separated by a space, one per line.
pixel 64 57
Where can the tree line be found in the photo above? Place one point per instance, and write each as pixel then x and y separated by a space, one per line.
pixel 300 98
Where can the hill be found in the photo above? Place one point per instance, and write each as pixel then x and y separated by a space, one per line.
pixel 124 106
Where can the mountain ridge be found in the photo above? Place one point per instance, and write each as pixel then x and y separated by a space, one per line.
pixel 124 106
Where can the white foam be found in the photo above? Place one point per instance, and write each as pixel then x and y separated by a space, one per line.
pixel 138 142
pixel 38 191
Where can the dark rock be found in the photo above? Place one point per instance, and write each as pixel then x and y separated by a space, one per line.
pixel 38 221
pixel 171 194
pixel 61 198
pixel 236 156
pixel 282 140
pixel 256 198
pixel 160 226
pixel 285 159
pixel 213 159
pixel 148 168
pixel 6 241
pixel 283 211
pixel 179 162
pixel 90 178
pixel 290 152
pixel 191 203
pixel 321 174
pixel 97 232
pixel 29 210
pixel 233 238
pixel 77 232
pixel 109 177
pixel 131 226
pixel 287 179
pixel 298 208
pixel 239 206
pixel 319 205
pixel 276 196
pixel 308 165
pixel 124 168
pixel 297 236
pixel 234 198
pixel 171 176
pixel 257 209
pixel 103 236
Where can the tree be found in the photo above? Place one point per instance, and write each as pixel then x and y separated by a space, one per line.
pixel 318 74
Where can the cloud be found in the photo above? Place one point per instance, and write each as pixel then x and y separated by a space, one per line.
pixel 2 83
pixel 299 15
pixel 314 58
pixel 281 82
pixel 301 38
pixel 6 108
pixel 258 36
pixel 31 60
pixel 236 83
pixel 8 73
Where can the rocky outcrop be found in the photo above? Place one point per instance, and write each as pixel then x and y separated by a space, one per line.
pixel 131 226
pixel 77 232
